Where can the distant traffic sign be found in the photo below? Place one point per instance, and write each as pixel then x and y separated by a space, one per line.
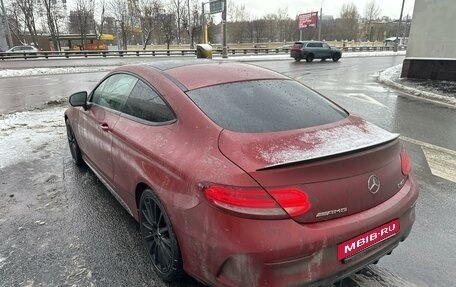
pixel 216 6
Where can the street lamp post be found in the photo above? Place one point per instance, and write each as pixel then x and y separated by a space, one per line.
pixel 320 22
pixel 399 27
pixel 118 22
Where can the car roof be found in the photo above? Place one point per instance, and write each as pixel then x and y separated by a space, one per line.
pixel 194 74
pixel 305 42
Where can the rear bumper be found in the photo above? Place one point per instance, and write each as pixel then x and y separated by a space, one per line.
pixel 295 54
pixel 245 252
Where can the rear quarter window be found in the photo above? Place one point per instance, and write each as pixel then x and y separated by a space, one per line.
pixel 265 106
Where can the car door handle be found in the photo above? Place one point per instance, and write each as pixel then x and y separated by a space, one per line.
pixel 105 127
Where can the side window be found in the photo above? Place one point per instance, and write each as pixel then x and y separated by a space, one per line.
pixel 318 45
pixel 326 46
pixel 113 91
pixel 310 45
pixel 146 104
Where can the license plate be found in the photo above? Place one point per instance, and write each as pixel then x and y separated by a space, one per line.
pixel 368 239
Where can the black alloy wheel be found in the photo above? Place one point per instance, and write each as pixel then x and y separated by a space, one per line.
pixel 297 59
pixel 76 154
pixel 336 57
pixel 159 237
pixel 309 58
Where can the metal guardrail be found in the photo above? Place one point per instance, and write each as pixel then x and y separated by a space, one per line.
pixel 95 53
pixel 173 52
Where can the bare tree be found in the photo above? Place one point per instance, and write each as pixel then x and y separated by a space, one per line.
pixel 167 21
pixel 26 10
pixel 99 29
pixel 179 10
pixel 194 21
pixel 237 13
pixel 271 26
pixel 239 17
pixel 348 22
pixel 372 12
pixel 53 13
pixel 84 13
pixel 282 17
pixel 150 11
pixel 15 19
pixel 119 9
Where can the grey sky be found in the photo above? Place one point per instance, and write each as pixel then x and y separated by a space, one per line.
pixel 258 8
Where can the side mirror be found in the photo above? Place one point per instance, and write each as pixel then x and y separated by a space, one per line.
pixel 79 100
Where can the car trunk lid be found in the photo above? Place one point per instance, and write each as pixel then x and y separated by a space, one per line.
pixel 332 164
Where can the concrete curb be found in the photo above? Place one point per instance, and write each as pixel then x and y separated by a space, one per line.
pixel 413 92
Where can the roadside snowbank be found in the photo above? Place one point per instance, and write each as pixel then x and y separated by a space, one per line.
pixel 31 135
pixel 427 89
pixel 244 58
pixel 50 71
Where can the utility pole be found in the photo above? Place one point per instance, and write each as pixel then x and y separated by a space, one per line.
pixel 204 23
pixel 190 29
pixel 224 15
pixel 320 22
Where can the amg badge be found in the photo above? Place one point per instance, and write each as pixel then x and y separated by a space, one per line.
pixel 331 212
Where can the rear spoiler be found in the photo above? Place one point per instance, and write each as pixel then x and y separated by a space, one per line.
pixel 314 156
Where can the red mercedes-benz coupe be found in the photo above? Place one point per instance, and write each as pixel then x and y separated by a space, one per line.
pixel 241 176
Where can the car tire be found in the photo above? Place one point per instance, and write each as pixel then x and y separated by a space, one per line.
pixel 159 238
pixel 76 154
pixel 309 58
pixel 336 57
pixel 297 59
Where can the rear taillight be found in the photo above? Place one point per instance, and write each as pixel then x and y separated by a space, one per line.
pixel 294 201
pixel 405 163
pixel 256 202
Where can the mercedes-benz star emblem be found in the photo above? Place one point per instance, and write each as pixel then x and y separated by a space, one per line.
pixel 373 184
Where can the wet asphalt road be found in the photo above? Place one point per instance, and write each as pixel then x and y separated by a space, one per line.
pixel 61 227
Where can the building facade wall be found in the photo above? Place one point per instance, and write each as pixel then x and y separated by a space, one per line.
pixel 431 51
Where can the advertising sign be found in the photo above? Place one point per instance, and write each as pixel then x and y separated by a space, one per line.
pixel 307 20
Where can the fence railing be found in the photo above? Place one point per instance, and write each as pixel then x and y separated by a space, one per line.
pixel 167 53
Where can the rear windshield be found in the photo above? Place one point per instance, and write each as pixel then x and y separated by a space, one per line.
pixel 265 106
pixel 298 45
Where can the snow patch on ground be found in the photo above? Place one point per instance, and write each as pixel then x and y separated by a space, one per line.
pixel 50 71
pixel 31 135
pixel 442 91
pixel 374 276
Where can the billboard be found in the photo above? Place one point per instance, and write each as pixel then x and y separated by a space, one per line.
pixel 307 20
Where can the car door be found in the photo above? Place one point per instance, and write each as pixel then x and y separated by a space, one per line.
pixel 104 107
pixel 141 134
pixel 326 50
pixel 316 50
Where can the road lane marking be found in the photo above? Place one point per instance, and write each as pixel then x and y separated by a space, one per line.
pixel 442 164
pixel 364 98
pixel 428 145
pixel 441 161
